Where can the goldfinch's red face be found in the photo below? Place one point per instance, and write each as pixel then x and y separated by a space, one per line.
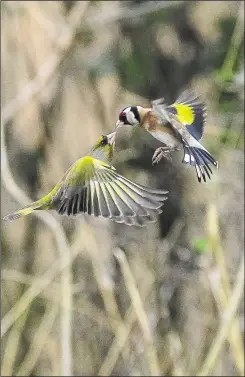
pixel 130 115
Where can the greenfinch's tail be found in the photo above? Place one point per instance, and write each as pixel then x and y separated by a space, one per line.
pixel 24 211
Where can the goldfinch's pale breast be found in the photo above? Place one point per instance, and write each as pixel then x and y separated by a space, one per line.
pixel 158 130
pixel 165 138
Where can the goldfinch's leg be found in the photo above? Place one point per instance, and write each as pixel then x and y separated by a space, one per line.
pixel 162 152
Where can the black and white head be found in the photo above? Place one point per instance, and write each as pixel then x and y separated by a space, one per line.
pixel 130 115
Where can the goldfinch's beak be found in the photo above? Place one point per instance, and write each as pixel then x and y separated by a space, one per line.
pixel 111 138
pixel 119 124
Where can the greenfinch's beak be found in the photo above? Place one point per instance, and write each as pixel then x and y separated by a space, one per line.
pixel 111 138
pixel 119 124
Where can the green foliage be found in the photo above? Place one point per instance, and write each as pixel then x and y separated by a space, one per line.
pixel 200 245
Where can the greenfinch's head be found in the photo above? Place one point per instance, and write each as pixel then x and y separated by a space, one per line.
pixel 104 147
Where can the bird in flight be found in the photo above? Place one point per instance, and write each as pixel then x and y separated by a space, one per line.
pixel 92 186
pixel 178 126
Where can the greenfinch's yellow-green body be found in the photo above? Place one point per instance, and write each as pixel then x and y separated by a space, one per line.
pixel 92 186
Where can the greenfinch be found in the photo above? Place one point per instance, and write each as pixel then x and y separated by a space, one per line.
pixel 92 186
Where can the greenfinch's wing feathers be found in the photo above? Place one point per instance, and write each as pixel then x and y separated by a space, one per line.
pixel 139 221
pixel 130 198
pixel 93 187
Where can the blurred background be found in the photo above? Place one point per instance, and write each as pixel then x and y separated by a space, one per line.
pixel 86 296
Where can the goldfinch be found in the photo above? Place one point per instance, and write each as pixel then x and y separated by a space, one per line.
pixel 91 185
pixel 179 125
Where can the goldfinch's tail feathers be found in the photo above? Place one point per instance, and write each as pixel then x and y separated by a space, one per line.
pixel 200 158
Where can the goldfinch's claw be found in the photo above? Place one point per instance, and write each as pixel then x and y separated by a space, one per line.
pixel 161 153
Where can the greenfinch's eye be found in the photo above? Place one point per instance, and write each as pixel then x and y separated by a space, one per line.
pixel 103 141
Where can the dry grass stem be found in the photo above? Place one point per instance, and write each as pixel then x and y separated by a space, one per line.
pixel 12 345
pixel 38 342
pixel 226 323
pixel 31 89
pixel 140 312
pixel 234 336
pixel 121 337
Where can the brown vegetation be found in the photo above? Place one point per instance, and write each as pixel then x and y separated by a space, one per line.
pixel 86 296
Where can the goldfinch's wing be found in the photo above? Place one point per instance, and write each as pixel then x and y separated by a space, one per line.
pixel 93 187
pixel 189 110
pixel 194 153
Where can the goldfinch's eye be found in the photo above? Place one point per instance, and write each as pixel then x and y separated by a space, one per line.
pixel 104 141
pixel 123 118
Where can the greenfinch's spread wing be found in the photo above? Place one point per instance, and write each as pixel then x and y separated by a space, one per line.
pixel 94 187
pixel 138 221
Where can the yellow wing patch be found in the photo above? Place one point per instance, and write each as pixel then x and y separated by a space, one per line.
pixel 185 113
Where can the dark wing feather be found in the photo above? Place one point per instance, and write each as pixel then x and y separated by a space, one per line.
pixel 138 221
pixel 194 153
pixel 188 100
pixel 140 195
pixel 108 194
pixel 198 107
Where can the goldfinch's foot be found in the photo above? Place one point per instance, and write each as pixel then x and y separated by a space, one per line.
pixel 160 153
